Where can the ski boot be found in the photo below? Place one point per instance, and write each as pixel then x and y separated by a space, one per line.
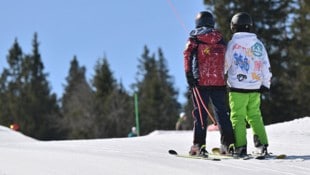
pixel 227 150
pixel 197 150
pixel 262 150
pixel 241 152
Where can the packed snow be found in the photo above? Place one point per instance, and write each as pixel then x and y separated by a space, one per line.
pixel 147 155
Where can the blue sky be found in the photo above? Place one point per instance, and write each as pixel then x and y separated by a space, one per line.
pixel 91 29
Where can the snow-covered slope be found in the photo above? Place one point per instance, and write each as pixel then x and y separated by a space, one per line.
pixel 9 136
pixel 147 155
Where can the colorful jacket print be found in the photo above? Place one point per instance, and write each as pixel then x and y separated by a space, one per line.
pixel 247 63
pixel 204 56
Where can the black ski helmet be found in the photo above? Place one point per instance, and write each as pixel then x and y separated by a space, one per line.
pixel 241 22
pixel 204 19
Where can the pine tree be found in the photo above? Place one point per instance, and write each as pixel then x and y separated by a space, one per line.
pixel 103 80
pixel 299 58
pixel 103 83
pixel 169 107
pixel 77 104
pixel 114 108
pixel 157 97
pixel 40 109
pixel 4 108
pixel 146 92
pixel 120 116
pixel 27 94
pixel 11 85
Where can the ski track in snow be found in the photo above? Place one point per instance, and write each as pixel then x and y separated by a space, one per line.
pixel 148 155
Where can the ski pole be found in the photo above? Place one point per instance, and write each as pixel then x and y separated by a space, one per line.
pixel 205 107
pixel 199 109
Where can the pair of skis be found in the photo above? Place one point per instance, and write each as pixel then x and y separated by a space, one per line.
pixel 216 151
pixel 216 156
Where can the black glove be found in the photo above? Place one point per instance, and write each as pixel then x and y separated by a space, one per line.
pixel 192 82
pixel 264 89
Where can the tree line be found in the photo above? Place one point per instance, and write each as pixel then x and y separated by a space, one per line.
pixel 98 108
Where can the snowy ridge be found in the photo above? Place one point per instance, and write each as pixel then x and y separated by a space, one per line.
pixel 296 126
pixel 8 135
pixel 148 155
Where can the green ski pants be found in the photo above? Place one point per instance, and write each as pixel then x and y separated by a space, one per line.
pixel 246 107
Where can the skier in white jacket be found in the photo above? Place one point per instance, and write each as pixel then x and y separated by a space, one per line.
pixel 248 74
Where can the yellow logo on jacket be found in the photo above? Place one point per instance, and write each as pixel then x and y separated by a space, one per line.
pixel 206 51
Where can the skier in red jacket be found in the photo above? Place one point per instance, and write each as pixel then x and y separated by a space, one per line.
pixel 204 68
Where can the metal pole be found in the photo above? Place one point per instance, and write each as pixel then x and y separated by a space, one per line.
pixel 137 114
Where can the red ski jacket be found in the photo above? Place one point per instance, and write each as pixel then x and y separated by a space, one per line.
pixel 204 56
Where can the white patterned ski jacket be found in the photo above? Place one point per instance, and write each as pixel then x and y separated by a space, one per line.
pixel 247 63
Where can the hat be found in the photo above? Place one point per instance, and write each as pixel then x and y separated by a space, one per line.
pixel 182 114
pixel 133 129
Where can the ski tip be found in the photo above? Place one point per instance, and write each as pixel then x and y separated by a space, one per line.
pixel 281 156
pixel 173 152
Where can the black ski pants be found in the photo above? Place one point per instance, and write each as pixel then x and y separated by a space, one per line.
pixel 218 98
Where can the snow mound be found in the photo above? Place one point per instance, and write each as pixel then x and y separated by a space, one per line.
pixel 164 132
pixel 8 136
pixel 297 126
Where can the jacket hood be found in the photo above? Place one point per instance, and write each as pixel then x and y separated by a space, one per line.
pixel 206 35
pixel 245 39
